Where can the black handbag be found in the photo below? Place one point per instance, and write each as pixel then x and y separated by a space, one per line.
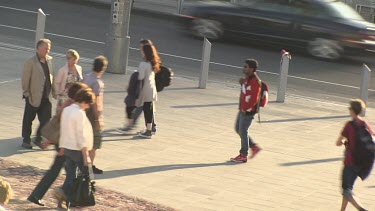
pixel 82 192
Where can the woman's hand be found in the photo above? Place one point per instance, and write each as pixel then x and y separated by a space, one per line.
pixel 60 152
pixel 87 161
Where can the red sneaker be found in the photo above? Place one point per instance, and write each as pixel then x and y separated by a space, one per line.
pixel 254 151
pixel 241 158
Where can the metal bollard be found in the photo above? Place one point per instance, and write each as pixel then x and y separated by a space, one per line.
pixel 180 5
pixel 206 53
pixel 365 84
pixel 283 76
pixel 40 25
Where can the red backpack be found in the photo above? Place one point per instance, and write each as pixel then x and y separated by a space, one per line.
pixel 263 94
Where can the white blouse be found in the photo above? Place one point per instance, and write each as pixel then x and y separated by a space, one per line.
pixel 75 129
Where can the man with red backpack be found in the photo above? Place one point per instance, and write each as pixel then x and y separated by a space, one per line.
pixel 250 96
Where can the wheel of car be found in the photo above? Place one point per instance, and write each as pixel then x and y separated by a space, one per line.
pixel 325 49
pixel 207 28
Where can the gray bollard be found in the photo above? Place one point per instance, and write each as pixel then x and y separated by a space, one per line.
pixel 40 25
pixel 206 53
pixel 365 84
pixel 180 4
pixel 283 77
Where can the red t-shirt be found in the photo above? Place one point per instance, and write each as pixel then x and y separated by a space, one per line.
pixel 349 133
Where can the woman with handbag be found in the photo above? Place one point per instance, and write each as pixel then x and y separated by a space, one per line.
pixel 76 139
pixel 59 161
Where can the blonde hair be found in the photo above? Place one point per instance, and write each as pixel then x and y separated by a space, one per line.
pixel 72 53
pixel 5 192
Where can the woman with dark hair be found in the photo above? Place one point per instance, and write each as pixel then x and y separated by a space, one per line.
pixel 148 94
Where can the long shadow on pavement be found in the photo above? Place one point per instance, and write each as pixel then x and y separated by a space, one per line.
pixel 152 169
pixel 311 162
pixel 305 119
pixel 205 105
pixel 9 147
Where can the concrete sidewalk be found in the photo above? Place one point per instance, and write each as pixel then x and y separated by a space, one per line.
pixel 185 166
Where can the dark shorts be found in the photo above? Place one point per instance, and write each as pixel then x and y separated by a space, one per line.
pixel 349 175
pixel 98 138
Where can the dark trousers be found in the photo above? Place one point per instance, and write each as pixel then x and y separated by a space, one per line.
pixel 74 160
pixel 50 176
pixel 44 115
pixel 148 110
pixel 138 111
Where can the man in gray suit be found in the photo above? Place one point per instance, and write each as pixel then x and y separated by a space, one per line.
pixel 37 87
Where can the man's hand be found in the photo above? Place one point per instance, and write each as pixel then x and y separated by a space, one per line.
pixel 98 125
pixel 241 81
pixel 54 96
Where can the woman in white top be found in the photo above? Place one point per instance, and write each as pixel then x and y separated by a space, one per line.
pixel 67 75
pixel 148 94
pixel 76 138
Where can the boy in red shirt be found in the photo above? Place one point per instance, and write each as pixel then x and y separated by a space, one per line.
pixel 249 97
pixel 347 138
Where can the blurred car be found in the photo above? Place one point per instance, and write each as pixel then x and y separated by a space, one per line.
pixel 327 29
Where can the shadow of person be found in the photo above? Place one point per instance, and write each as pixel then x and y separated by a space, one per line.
pixel 152 169
pixel 12 146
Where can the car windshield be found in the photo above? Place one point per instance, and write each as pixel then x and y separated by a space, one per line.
pixel 342 10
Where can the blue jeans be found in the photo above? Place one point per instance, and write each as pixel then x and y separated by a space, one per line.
pixel 74 160
pixel 243 123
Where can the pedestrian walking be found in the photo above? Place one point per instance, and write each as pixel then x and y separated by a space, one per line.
pixel 76 140
pixel 37 77
pixel 348 138
pixel 148 94
pixel 71 72
pixel 133 92
pixel 45 183
pixel 95 112
pixel 248 107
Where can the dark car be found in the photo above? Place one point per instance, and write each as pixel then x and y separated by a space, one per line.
pixel 326 28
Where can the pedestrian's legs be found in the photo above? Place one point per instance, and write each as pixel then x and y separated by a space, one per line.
pixel 50 176
pixel 349 176
pixel 70 167
pixel 28 117
pixel 137 113
pixel 148 113
pixel 244 124
pixel 153 124
pixel 44 115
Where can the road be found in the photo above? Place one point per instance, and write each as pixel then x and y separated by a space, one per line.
pixel 85 26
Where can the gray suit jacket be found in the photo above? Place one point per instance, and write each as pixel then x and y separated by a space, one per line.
pixel 33 79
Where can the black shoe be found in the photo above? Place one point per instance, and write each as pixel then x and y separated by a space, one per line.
pixel 34 200
pixel 27 145
pixel 96 170
pixel 146 134
pixel 38 142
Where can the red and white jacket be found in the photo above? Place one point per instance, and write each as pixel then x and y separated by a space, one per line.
pixel 250 93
